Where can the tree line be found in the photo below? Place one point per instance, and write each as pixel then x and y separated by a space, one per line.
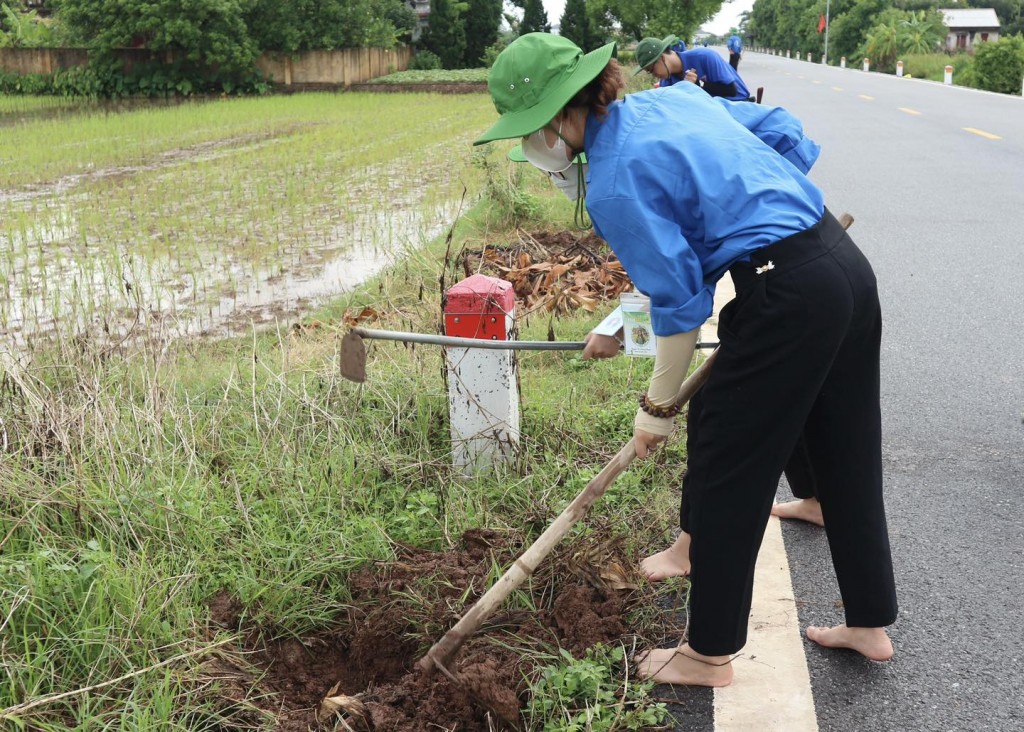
pixel 885 31
pixel 230 34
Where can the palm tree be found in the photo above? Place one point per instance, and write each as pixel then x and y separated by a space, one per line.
pixel 882 44
pixel 918 34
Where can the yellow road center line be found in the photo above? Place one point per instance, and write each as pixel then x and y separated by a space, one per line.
pixel 982 133
pixel 837 88
pixel 865 96
pixel 816 81
pixel 909 111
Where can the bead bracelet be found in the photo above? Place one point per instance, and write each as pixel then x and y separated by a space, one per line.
pixel 655 411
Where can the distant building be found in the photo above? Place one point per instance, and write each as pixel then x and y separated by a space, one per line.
pixel 422 8
pixel 969 26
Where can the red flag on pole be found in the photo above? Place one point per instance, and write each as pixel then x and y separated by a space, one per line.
pixel 821 23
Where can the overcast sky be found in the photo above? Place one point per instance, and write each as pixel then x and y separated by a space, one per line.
pixel 726 18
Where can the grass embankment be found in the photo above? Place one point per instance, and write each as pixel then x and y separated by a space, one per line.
pixel 141 480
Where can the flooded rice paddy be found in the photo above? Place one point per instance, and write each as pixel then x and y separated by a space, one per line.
pixel 215 218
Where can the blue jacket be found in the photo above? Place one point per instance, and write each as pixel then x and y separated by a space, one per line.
pixel 681 190
pixel 710 67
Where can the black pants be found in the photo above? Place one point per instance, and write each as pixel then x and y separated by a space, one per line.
pixel 734 60
pixel 799 361
pixel 799 469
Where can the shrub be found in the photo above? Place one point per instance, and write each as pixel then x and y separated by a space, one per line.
pixel 999 65
pixel 425 61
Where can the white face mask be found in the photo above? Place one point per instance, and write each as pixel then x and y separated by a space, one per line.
pixel 549 159
pixel 568 182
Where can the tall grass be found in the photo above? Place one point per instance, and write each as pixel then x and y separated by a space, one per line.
pixel 141 478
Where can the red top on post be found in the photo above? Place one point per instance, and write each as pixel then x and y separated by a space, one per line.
pixel 477 307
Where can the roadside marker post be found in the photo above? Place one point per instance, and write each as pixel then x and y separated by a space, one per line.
pixel 867 64
pixel 483 385
pixel 948 79
pixel 899 69
pixel 842 62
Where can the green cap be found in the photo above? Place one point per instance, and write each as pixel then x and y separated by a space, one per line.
pixel 648 50
pixel 534 78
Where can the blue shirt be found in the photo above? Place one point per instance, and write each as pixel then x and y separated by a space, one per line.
pixel 681 190
pixel 778 129
pixel 734 44
pixel 709 67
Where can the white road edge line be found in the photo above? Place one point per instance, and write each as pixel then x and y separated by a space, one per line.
pixel 771 690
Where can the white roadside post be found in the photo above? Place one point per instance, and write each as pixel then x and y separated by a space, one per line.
pixel 788 52
pixel 899 69
pixel 867 64
pixel 808 57
pixel 483 384
pixel 842 62
pixel 948 79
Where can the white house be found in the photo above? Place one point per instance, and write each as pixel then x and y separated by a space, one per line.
pixel 969 26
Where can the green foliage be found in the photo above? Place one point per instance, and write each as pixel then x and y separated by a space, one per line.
pixel 446 34
pixel 105 79
pixel 423 61
pixel 921 32
pixel 586 695
pixel 882 44
pixel 493 50
pixel 932 66
pixel 511 206
pixel 22 29
pixel 640 18
pixel 999 65
pixel 576 25
pixel 205 32
pixel 482 20
pixel 535 18
pixel 792 25
pixel 434 75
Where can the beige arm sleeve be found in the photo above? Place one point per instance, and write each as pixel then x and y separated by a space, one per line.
pixel 671 362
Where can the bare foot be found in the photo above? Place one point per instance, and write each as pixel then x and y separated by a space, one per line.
pixel 672 562
pixel 806 509
pixel 872 643
pixel 684 666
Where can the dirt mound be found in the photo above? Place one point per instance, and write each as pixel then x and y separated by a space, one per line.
pixel 556 271
pixel 398 609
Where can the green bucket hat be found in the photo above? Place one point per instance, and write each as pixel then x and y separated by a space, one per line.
pixel 534 78
pixel 648 50
pixel 516 155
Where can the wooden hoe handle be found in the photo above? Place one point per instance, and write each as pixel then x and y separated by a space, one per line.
pixel 443 651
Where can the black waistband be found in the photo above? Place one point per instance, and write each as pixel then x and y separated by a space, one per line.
pixel 790 252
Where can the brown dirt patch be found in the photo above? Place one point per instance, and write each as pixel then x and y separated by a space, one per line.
pixel 399 608
pixel 556 271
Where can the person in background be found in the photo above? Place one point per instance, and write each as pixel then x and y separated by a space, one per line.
pixel 735 46
pixel 800 343
pixel 701 66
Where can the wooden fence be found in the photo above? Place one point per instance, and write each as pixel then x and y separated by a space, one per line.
pixel 312 69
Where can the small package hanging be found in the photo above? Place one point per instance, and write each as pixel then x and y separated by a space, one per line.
pixel 638 336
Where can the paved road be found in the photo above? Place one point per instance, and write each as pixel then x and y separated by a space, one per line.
pixel 939 212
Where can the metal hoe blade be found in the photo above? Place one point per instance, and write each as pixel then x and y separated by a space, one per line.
pixel 353 357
